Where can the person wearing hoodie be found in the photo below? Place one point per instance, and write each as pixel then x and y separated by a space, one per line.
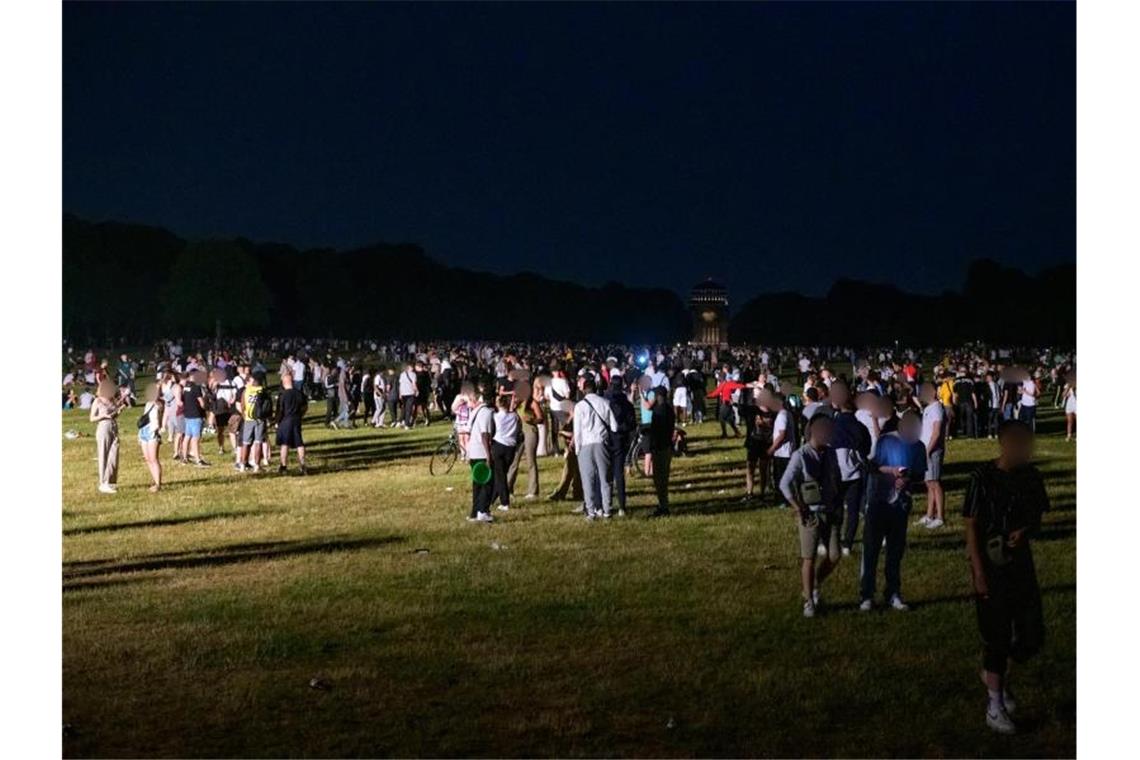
pixel 852 444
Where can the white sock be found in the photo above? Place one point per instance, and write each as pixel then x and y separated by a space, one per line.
pixel 997 702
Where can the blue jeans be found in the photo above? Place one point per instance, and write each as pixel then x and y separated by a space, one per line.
pixel 884 521
pixel 1007 412
pixel 1028 415
pixel 617 469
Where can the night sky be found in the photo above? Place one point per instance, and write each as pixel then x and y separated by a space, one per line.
pixel 770 146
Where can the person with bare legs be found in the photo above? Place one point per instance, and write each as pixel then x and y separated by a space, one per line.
pixel 291 408
pixel 934 439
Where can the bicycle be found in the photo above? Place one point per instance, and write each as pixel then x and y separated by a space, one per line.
pixel 445 455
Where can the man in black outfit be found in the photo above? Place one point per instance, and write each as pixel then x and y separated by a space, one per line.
pixel 291 408
pixel 1004 503
pixel 966 405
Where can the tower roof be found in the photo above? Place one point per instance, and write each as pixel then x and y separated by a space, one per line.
pixel 709 285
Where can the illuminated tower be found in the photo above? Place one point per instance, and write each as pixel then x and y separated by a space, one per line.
pixel 709 304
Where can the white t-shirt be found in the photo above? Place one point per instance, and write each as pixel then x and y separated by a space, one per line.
pixel 1027 388
pixel 298 371
pixel 506 428
pixel 784 450
pixel 482 421
pixel 562 386
pixel 934 412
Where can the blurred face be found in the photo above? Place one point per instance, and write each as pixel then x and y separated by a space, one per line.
pixel 1016 446
pixel 839 395
pixel 910 427
pixel 821 429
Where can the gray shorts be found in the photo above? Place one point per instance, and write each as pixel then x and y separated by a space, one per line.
pixel 934 465
pixel 252 431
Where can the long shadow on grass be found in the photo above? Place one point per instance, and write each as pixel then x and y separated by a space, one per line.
pixel 932 601
pixel 220 556
pixel 161 522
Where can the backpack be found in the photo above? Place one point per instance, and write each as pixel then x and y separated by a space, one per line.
pixel 264 408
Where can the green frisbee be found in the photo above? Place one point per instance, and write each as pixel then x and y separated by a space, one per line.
pixel 481 473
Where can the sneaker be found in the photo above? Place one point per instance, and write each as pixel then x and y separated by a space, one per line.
pixel 484 517
pixel 591 516
pixel 621 513
pixel 201 463
pixel 530 496
pixel 607 515
pixel 815 598
pixel 504 507
pixel 809 609
pixel 108 488
pixel 821 550
pixel 923 521
pixel 239 466
pixel 897 604
pixel 999 720
pixel 866 605
pixel 746 498
pixel 935 523
pixel 1007 697
pixel 846 551
pixel 580 509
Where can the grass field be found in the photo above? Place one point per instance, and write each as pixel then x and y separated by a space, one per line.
pixel 195 619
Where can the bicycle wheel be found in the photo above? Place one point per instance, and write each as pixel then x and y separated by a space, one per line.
pixel 443 458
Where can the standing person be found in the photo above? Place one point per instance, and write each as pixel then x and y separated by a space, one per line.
pixel 966 406
pixel 1070 401
pixel 504 442
pixel 594 424
pixel 105 413
pixel 1029 393
pixel 783 444
pixel 723 395
pixel 461 413
pixel 1004 503
pixel 291 408
pixel 852 443
pixel 530 416
pixel 992 393
pixel 407 388
pixel 344 399
pixel 173 422
pixel 661 427
pixel 759 421
pixel 368 395
pixel 194 411
pixel 150 434
pixel 811 486
pixel 560 404
pixel 332 379
pixel 680 402
pixel 423 392
pixel 479 451
pixel 626 417
pixel 898 461
pixel 252 424
pixel 571 480
pixel 392 383
pixel 225 402
pixel 933 437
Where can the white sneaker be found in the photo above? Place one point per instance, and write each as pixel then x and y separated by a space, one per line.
pixel 935 523
pixel 846 551
pixel 484 517
pixel 107 488
pixel 821 550
pixel 1006 697
pixel 1000 721
pixel 898 604
pixel 866 605
pixel 924 521
pixel 504 508
pixel 809 609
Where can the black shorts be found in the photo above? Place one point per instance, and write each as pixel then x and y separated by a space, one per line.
pixel 222 419
pixel 289 433
pixel 757 450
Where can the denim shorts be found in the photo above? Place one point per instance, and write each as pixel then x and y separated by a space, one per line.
pixel 193 427
pixel 148 434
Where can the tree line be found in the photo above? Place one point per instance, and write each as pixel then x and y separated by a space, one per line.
pixel 137 282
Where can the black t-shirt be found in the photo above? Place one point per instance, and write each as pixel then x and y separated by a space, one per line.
pixel 964 389
pixel 757 424
pixel 661 425
pixel 291 404
pixel 1002 501
pixel 190 408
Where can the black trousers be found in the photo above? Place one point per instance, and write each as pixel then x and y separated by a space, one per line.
pixel 994 421
pixel 409 403
pixel 851 491
pixel 369 406
pixel 724 414
pixel 331 408
pixel 967 421
pixel 779 467
pixel 501 458
pixel 481 493
pixel 1010 618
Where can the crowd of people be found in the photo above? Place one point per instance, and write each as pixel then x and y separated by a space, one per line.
pixel 833 448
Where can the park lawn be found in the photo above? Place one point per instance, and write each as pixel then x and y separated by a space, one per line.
pixel 195 620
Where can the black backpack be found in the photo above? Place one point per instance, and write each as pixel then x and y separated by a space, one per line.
pixel 264 408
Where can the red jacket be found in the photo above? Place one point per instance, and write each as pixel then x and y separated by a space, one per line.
pixel 724 391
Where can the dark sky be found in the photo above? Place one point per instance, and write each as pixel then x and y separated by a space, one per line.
pixel 771 146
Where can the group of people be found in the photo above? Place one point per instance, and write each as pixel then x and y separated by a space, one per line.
pixel 834 449
pixel 231 403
